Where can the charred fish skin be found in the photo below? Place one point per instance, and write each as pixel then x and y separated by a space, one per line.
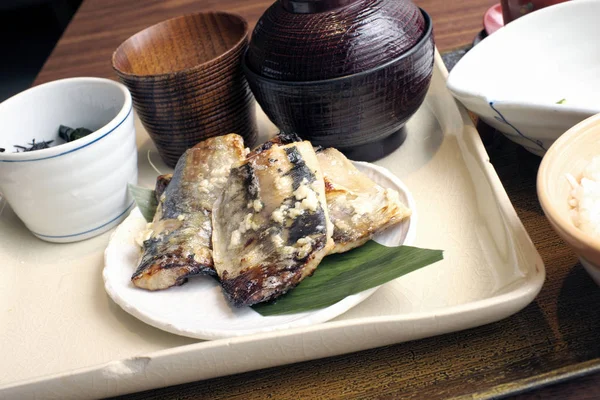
pixel 358 207
pixel 280 139
pixel 177 244
pixel 271 226
pixel 162 181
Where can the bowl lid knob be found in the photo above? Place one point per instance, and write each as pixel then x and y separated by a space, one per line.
pixel 313 6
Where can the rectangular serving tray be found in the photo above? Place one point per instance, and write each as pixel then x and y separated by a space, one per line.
pixel 62 337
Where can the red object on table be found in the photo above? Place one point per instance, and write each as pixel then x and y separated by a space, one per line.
pixel 492 19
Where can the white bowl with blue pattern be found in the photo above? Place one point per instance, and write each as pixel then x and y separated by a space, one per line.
pixel 76 190
pixel 537 77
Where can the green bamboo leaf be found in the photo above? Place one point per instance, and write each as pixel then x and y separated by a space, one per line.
pixel 341 275
pixel 145 200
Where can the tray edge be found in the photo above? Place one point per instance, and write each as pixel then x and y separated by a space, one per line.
pixel 127 371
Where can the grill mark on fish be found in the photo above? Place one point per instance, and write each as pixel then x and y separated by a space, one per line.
pixel 299 171
pixel 177 200
pixel 250 183
pixel 162 181
pixel 179 238
pixel 304 225
pixel 281 139
pixel 248 288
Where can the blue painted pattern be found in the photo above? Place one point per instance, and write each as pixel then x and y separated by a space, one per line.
pixel 89 230
pixel 501 118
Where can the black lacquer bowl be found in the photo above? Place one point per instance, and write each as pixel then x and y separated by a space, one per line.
pixel 362 114
pixel 309 40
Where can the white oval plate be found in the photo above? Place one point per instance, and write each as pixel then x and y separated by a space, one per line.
pixel 198 308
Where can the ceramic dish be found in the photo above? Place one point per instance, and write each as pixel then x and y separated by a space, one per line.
pixel 176 310
pixel 73 341
pixel 536 77
pixel 570 155
pixel 76 190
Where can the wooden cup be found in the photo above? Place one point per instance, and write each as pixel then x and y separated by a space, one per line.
pixel 186 80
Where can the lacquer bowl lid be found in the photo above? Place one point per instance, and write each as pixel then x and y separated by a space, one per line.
pixel 307 40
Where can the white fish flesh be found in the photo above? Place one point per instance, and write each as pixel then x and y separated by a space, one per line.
pixel 270 225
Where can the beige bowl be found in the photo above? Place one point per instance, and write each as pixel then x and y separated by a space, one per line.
pixel 570 154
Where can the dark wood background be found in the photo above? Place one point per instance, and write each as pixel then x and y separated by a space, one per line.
pixel 553 340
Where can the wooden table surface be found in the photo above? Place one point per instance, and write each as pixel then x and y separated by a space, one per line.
pixel 554 339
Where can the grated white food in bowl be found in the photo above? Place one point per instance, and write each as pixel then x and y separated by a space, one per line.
pixel 585 199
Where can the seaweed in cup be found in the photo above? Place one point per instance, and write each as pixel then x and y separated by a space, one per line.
pixel 69 134
pixel 34 146
pixel 64 132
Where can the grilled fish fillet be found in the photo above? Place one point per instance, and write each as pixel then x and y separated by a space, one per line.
pixel 358 207
pixel 178 242
pixel 270 224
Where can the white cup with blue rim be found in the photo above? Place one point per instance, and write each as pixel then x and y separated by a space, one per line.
pixel 72 190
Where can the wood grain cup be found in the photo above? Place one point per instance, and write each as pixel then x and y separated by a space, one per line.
pixel 186 80
pixel 310 40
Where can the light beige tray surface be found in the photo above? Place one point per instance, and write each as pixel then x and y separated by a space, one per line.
pixel 62 337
